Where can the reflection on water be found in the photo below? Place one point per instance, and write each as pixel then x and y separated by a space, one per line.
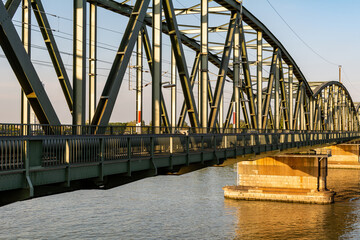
pixel 272 220
pixel 190 206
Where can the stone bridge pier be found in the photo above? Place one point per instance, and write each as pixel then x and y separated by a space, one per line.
pixel 344 156
pixel 288 178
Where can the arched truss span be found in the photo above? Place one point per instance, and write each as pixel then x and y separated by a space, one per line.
pixel 268 89
pixel 334 107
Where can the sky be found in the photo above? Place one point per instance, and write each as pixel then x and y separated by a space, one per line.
pixel 329 27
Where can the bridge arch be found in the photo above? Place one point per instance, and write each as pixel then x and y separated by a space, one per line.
pixel 268 89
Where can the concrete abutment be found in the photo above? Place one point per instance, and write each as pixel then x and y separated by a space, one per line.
pixel 288 178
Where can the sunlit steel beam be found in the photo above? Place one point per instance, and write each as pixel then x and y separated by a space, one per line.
pixel 53 51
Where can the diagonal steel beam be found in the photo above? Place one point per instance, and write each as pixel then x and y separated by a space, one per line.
pixel 25 71
pixel 244 109
pixel 306 109
pixel 112 86
pixel 284 101
pixel 229 112
pixel 316 114
pixel 268 94
pixel 247 77
pixel 223 69
pixel 181 62
pixel 11 6
pixel 148 53
pixel 297 105
pixel 125 10
pixel 194 72
pixel 53 50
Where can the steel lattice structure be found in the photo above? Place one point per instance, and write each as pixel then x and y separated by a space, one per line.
pixel 282 100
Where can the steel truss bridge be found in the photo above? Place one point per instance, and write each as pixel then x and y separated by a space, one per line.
pixel 273 107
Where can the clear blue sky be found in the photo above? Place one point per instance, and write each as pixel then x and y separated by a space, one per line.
pixel 329 27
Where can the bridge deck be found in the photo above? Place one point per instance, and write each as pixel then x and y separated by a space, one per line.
pixel 33 161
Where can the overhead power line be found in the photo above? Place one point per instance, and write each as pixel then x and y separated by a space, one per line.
pixel 297 35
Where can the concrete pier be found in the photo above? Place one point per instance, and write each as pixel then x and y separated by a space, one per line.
pixel 288 178
pixel 344 156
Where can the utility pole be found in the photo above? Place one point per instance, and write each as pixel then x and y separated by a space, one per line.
pixel 340 73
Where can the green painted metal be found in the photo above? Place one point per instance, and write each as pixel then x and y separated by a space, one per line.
pixel 148 52
pixel 65 159
pixel 113 83
pixel 53 50
pixel 181 63
pixel 223 70
pixel 11 6
pixel 25 71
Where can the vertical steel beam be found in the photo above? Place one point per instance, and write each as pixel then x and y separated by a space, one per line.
pixel 112 86
pixel 204 65
pixel 276 92
pixel 259 78
pixel 284 100
pixel 53 51
pixel 24 70
pixel 331 107
pixel 343 103
pixel 26 39
pixel 199 90
pixel 79 63
pixel 92 60
pixel 235 102
pixel 222 70
pixel 326 100
pixel 148 53
pixel 247 77
pixel 336 112
pixel 311 102
pixel 156 65
pixel 194 72
pixel 173 91
pixel 139 82
pixel 221 113
pixel 181 62
pixel 291 98
pixel 302 112
pixel 266 103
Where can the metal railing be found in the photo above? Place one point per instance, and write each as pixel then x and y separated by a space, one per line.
pixel 65 150
pixel 9 129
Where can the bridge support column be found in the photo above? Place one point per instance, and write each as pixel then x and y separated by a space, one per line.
pixel 79 64
pixel 288 178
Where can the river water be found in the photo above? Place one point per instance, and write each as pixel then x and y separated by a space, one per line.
pixel 189 206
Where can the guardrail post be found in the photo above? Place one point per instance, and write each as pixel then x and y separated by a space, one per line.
pixel 215 146
pixel 67 162
pixel 27 169
pixel 202 149
pixel 129 156
pixel 187 150
pixel 152 147
pixel 171 145
pixel 32 160
pixel 102 156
